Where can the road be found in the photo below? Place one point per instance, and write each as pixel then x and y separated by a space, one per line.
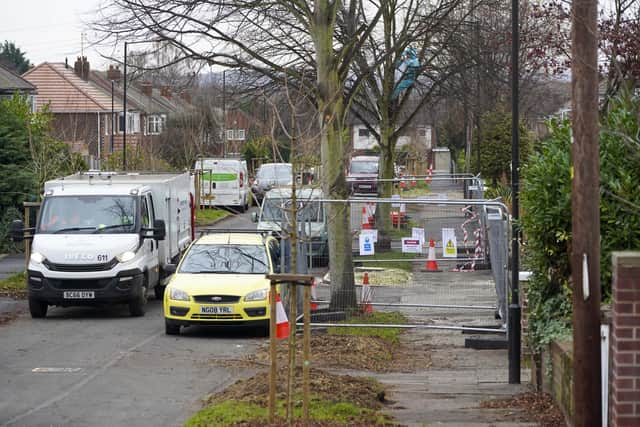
pixel 100 367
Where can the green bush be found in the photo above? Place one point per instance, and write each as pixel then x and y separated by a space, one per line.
pixel 546 214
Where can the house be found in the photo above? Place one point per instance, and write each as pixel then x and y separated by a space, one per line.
pixel 88 107
pixel 236 131
pixel 82 113
pixel 11 83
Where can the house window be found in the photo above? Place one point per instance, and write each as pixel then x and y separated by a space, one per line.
pixel 229 134
pixel 240 134
pixel 363 132
pixel 133 122
pixel 155 124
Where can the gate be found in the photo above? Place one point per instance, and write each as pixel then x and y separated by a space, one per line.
pixel 441 260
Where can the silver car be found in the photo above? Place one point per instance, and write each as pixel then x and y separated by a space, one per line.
pixel 271 175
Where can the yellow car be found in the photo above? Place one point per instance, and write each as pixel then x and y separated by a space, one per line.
pixel 221 280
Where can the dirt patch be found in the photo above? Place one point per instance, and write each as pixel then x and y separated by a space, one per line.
pixel 19 295
pixel 539 408
pixel 354 353
pixel 360 391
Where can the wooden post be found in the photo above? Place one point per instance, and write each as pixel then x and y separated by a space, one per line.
pixel 306 362
pixel 293 313
pixel 273 372
pixel 585 213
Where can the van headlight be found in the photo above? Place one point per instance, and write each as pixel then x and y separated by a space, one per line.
pixel 37 257
pixel 178 294
pixel 126 256
pixel 259 295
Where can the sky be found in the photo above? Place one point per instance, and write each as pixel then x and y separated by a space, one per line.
pixel 51 30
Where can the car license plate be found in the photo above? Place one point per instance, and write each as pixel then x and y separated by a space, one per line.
pixel 209 309
pixel 79 295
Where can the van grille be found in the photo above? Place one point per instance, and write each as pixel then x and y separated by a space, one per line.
pixel 79 284
pixel 79 268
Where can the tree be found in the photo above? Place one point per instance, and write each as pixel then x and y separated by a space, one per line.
pixel 278 40
pixel 13 58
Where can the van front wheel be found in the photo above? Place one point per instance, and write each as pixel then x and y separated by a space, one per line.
pixel 37 308
pixel 136 305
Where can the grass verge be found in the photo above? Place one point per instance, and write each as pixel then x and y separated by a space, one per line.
pixel 208 216
pixel 15 283
pixel 391 335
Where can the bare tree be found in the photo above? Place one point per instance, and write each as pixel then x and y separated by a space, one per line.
pixel 276 40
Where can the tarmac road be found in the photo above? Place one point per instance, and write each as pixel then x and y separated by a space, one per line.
pixel 88 366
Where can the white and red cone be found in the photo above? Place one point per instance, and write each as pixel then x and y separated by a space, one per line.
pixel 282 323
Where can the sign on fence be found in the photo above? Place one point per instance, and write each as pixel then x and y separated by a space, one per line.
pixel 449 243
pixel 410 245
pixel 366 245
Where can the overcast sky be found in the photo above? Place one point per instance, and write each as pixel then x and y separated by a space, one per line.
pixel 50 30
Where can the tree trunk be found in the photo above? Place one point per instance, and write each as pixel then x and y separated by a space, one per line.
pixel 334 152
pixel 387 171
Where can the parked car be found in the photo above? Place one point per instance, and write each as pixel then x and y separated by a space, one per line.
pixel 221 280
pixel 271 175
pixel 224 182
pixel 362 176
pixel 275 215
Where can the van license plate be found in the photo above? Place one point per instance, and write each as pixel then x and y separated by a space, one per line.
pixel 207 309
pixel 79 295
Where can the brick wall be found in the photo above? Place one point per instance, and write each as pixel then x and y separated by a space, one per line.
pixel 625 341
pixel 557 375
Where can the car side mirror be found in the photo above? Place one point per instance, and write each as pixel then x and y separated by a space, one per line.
pixel 254 216
pixel 16 230
pixel 159 230
pixel 170 268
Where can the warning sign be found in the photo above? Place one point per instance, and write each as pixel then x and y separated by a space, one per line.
pixel 449 243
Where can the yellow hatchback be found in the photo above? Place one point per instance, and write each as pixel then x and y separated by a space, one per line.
pixel 221 280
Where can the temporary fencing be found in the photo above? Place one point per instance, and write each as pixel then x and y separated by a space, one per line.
pixel 396 260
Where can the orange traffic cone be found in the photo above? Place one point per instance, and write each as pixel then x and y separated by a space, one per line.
pixel 429 174
pixel 282 323
pixel 366 225
pixel 371 211
pixel 402 185
pixel 413 182
pixel 432 265
pixel 314 297
pixel 366 295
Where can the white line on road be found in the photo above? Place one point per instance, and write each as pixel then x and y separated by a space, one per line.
pixel 80 384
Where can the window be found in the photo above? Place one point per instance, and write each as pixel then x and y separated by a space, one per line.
pixel 363 132
pixel 229 134
pixel 155 124
pixel 240 134
pixel 133 122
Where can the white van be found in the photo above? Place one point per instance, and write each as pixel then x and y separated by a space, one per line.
pixel 312 222
pixel 106 237
pixel 224 182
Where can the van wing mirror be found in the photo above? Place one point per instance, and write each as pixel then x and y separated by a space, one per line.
pixel 170 268
pixel 159 230
pixel 16 230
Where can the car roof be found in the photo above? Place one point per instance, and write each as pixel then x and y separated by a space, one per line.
pixel 231 239
pixel 274 165
pixel 365 159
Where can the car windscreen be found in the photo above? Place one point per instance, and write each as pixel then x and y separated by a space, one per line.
pixel 88 214
pixel 279 210
pixel 225 258
pixel 364 167
pixel 278 173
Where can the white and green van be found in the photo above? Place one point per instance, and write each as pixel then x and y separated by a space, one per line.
pixel 224 182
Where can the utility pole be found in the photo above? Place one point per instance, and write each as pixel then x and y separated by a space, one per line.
pixel 585 214
pixel 514 306
pixel 124 111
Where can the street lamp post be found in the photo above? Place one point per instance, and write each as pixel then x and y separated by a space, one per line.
pixel 124 108
pixel 224 114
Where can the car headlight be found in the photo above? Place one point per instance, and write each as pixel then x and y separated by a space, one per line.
pixel 126 256
pixel 258 295
pixel 37 257
pixel 178 294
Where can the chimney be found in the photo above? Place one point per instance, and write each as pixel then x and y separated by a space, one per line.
pixel 81 68
pixel 113 73
pixel 147 88
pixel 166 91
